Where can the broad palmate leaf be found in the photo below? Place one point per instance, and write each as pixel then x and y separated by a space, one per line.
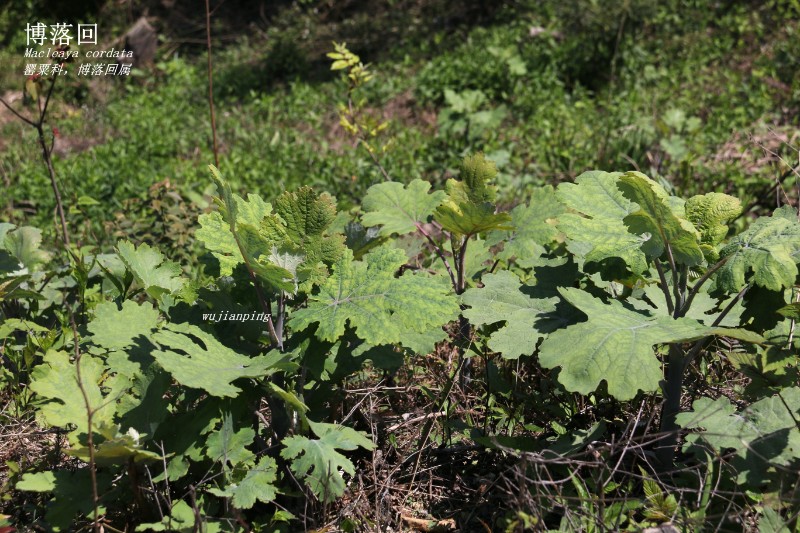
pixel 55 380
pixel 378 305
pixel 117 329
pixel 596 231
pixel 228 446
pixel 502 300
pixel 23 246
pixel 615 345
pixel 534 225
pixel 258 484
pixel 319 462
pixel 152 271
pixel 764 434
pixel 770 248
pixel 656 221
pixel 399 209
pixel 205 362
pixel 215 232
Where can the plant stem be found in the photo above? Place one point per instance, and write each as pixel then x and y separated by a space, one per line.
pixel 89 416
pixel 38 125
pixel 17 114
pixel 705 277
pixel 54 184
pixel 676 368
pixel 461 266
pixel 211 86
pixel 672 405
pixel 375 160
pixel 664 286
pixel 440 253
pixel 675 281
pixel 266 306
pixel 699 345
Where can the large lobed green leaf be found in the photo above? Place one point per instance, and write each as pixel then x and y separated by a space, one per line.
pixel 596 231
pixel 769 248
pixel 55 381
pixel 116 329
pixel 502 300
pixel 614 345
pixel 379 306
pixel 206 363
pixel 534 226
pixel 656 221
pixel 152 271
pixel 399 209
pixel 764 434
pixel 318 461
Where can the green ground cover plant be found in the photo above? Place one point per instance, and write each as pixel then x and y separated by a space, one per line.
pixel 544 290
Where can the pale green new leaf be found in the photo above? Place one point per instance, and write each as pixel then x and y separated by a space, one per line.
pixel 152 272
pixel 399 209
pixel 471 219
pixel 476 173
pixel 710 213
pixel 118 448
pixel 305 213
pixel 215 230
pixel 205 363
pixel 379 306
pixel 615 345
pixel 769 249
pixel 656 220
pixel 596 232
pixel 300 225
pixel 502 300
pixel 318 461
pixel 468 209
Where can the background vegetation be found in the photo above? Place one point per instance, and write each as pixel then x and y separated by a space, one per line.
pixel 700 96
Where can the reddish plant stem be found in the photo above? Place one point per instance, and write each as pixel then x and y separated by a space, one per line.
pixel 211 86
pixel 47 152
